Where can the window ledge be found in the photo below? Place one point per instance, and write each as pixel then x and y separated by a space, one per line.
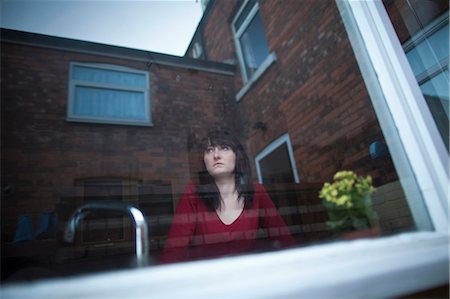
pixel 271 58
pixel 111 121
pixel 372 268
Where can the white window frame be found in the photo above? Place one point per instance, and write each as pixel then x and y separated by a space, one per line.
pixel 270 59
pixel 420 139
pixel 284 139
pixel 72 117
pixel 372 268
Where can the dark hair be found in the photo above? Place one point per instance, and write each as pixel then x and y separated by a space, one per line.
pixel 207 189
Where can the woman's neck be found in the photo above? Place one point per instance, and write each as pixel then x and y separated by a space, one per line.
pixel 230 206
pixel 226 186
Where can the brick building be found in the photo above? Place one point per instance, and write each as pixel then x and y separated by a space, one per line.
pixel 292 92
pixel 50 162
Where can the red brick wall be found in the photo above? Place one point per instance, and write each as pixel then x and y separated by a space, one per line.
pixel 314 91
pixel 43 155
pixel 218 42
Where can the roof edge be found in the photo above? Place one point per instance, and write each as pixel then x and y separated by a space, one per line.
pixel 200 25
pixel 79 46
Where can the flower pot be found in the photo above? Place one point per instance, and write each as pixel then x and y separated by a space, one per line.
pixel 361 234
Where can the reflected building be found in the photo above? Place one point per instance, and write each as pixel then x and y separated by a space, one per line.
pixel 85 122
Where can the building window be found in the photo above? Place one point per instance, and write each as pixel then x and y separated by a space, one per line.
pixel 197 51
pixel 276 164
pixel 102 229
pixel 108 94
pixel 251 44
pixel 109 227
pixel 391 266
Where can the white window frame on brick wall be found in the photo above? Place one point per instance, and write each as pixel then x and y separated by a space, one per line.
pixel 385 267
pixel 284 139
pixel 117 87
pixel 248 79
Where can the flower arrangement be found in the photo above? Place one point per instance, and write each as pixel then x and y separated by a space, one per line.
pixel 348 202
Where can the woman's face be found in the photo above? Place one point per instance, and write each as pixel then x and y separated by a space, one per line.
pixel 220 161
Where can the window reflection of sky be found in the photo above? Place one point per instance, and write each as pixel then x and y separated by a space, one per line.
pixel 114 78
pixel 437 87
pixel 424 55
pixel 254 45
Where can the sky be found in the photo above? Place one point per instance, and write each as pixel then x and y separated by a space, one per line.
pixel 164 26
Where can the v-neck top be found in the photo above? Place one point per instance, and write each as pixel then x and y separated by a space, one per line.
pixel 196 232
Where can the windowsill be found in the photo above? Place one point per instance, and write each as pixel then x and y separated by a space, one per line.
pixel 376 268
pixel 271 58
pixel 109 122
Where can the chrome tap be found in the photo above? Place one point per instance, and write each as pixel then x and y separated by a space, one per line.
pixel 140 225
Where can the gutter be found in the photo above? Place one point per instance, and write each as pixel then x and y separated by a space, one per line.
pixel 92 48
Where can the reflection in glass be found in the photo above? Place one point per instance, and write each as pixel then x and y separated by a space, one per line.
pixel 97 102
pixel 422 27
pixel 254 45
pixel 314 93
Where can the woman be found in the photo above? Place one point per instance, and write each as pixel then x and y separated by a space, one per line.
pixel 222 214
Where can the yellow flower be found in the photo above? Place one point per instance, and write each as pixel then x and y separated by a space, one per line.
pixel 345 184
pixel 344 200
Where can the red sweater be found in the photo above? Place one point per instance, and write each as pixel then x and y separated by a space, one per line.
pixel 196 232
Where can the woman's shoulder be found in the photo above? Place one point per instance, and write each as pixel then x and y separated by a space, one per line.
pixel 257 187
pixel 190 187
pixel 189 198
pixel 259 192
pixel 261 197
pixel 189 192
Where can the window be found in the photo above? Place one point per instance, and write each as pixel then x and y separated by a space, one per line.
pixel 251 44
pixel 428 52
pixel 276 163
pixel 329 123
pixel 197 51
pixel 387 75
pixel 103 229
pixel 106 231
pixel 108 94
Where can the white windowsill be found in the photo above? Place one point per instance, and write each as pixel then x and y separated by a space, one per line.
pixel 271 58
pixel 376 268
pixel 109 121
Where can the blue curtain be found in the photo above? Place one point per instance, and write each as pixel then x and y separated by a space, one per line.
pixel 119 94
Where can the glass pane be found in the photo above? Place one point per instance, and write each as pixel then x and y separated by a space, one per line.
pixel 426 54
pixel 244 15
pixel 96 75
pixel 98 227
pixel 314 92
pixel 436 93
pixel 254 45
pixel 276 167
pixel 96 102
pixel 438 87
pixel 422 27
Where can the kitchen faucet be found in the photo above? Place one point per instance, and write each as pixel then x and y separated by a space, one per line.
pixel 140 225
